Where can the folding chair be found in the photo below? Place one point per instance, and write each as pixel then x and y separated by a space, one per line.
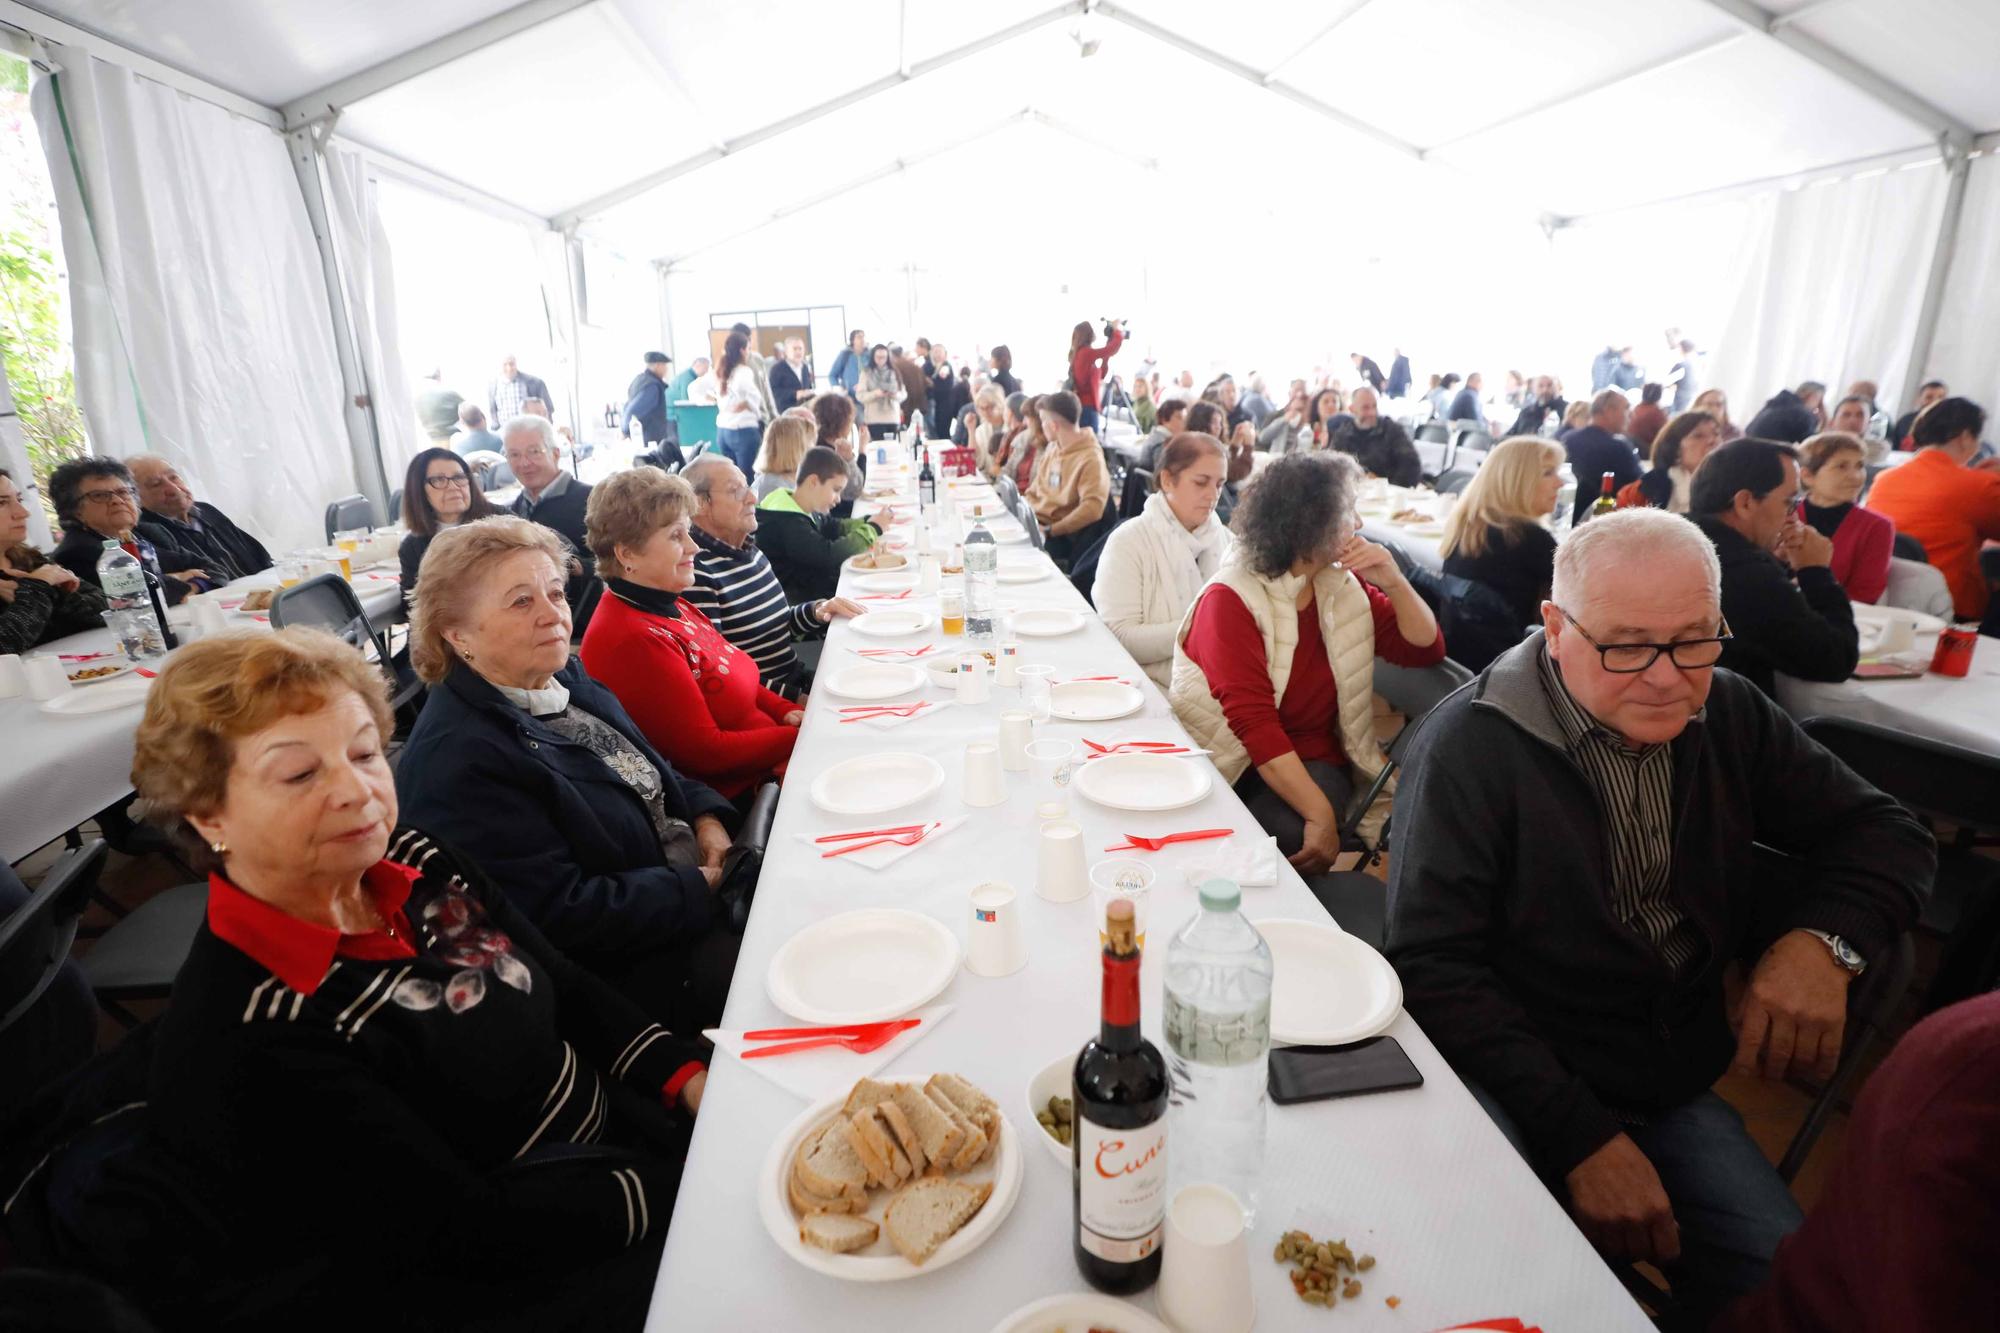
pixel 1010 494
pixel 1434 457
pixel 1906 547
pixel 328 602
pixel 35 938
pixel 1454 482
pixel 350 511
pixel 1436 432
pixel 138 958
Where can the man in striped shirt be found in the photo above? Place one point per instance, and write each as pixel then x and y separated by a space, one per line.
pixel 735 586
pixel 1575 864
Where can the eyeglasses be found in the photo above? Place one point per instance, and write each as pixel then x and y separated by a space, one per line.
pixel 1629 659
pixel 446 483
pixel 108 497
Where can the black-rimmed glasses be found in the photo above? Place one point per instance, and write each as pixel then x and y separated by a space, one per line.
pixel 1629 659
pixel 446 483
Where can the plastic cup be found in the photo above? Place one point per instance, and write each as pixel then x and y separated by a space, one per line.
pixel 1060 874
pixel 45 677
pixel 1053 763
pixel 1122 877
pixel 1035 681
pixel 1017 730
pixel 208 617
pixel 13 676
pixel 951 610
pixel 984 783
pixel 993 945
pixel 1205 1264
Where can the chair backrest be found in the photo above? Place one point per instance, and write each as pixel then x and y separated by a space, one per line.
pixel 350 511
pixel 35 937
pixel 1032 525
pixel 1434 456
pixel 1414 691
pixel 1009 493
pixel 1436 432
pixel 1929 777
pixel 1907 547
pixel 396 505
pixel 1455 481
pixel 1139 484
pixel 325 600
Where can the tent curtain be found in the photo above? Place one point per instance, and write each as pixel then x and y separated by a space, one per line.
pixel 1968 332
pixel 368 279
pixel 202 329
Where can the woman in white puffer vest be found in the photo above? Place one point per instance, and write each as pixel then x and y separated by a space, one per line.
pixel 1152 568
pixel 1274 665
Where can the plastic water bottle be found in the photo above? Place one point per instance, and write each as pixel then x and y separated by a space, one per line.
pixel 982 567
pixel 128 607
pixel 1218 1028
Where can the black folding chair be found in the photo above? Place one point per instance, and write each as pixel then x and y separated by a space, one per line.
pixel 35 938
pixel 328 602
pixel 1906 547
pixel 1433 432
pixel 1433 456
pixel 350 511
pixel 1455 481
pixel 138 958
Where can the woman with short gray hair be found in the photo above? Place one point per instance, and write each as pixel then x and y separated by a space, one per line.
pixel 1274 667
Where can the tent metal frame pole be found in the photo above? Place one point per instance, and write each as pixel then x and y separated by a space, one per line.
pixel 895 79
pixel 35 23
pixel 423 59
pixel 364 439
pixel 1326 30
pixel 1959 164
pixel 1847 69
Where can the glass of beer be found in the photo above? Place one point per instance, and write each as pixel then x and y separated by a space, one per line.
pixel 951 608
pixel 291 571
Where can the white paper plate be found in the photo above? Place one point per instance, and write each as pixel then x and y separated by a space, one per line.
pixel 899 581
pixel 880 1262
pixel 866 966
pixel 1094 700
pixel 892 623
pixel 891 563
pixel 1046 622
pixel 1144 781
pixel 1055 1080
pixel 1025 573
pixel 1076 1311
pixel 1328 988
pixel 1924 623
pixel 873 783
pixel 127 693
pixel 1014 536
pixel 118 669
pixel 872 680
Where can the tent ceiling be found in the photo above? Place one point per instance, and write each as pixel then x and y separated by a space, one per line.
pixel 1567 106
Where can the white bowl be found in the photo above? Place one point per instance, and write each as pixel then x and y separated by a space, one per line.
pixel 1055 1080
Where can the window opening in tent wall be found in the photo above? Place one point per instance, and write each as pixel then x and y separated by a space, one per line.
pixel 35 342
pixel 824 327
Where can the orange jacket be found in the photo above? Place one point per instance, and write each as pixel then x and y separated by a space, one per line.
pixel 1953 510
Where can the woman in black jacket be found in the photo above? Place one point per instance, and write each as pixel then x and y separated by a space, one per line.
pixel 1494 535
pixel 39 599
pixel 439 492
pixel 520 754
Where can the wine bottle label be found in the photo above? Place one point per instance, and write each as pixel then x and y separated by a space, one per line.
pixel 1122 1191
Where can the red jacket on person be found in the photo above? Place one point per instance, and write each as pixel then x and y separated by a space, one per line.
pixel 1086 368
pixel 694 694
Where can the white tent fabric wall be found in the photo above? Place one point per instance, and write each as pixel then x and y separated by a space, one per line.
pixel 202 328
pixel 369 278
pixel 1966 353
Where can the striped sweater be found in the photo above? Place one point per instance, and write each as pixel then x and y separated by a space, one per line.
pixel 739 592
pixel 384 1118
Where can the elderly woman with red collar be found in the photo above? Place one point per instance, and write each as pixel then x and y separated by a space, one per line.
pixel 369 1044
pixel 695 695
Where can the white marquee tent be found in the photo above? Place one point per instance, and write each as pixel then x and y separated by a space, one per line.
pixel 249 191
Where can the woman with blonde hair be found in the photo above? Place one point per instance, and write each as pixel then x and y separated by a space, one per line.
pixel 989 427
pixel 1494 536
pixel 785 443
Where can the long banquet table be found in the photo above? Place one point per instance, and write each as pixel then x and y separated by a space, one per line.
pixel 62 770
pixel 1461 1227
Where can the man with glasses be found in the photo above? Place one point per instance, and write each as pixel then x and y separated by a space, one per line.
pixel 224 550
pixel 1789 612
pixel 1572 871
pixel 549 495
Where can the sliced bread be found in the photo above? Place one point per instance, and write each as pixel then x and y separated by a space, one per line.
pixel 886 1163
pixel 937 1133
pixel 982 1110
pixel 972 1139
pixel 867 1092
pixel 927 1213
pixel 806 1203
pixel 840 1234
pixel 905 1134
pixel 829 1167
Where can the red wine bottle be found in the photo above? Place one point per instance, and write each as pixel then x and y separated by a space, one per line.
pixel 1119 1147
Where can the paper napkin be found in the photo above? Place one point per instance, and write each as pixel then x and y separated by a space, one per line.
pixel 811 1075
pixel 884 856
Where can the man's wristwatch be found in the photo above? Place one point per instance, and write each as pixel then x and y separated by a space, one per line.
pixel 1843 952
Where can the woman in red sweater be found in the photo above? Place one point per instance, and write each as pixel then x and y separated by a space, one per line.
pixel 1086 366
pixel 1834 467
pixel 694 694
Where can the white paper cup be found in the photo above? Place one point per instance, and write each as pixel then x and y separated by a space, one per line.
pixel 13 676
pixel 993 946
pixel 1205 1264
pixel 45 677
pixel 1053 763
pixel 984 782
pixel 1017 729
pixel 929 573
pixel 1060 873
pixel 1010 659
pixel 208 618
pixel 971 682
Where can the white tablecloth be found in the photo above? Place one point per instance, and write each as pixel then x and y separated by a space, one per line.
pixel 1421 1179
pixel 60 771
pixel 1421 548
pixel 1962 710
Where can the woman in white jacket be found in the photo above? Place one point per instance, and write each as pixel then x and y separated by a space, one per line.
pixel 1153 567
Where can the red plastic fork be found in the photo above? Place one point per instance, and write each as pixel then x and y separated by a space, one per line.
pixel 831 1029
pixel 902 839
pixel 1120 747
pixel 1134 843
pixel 870 833
pixel 861 1045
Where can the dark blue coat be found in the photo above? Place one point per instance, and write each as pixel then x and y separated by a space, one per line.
pixel 550 823
pixel 1594 451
